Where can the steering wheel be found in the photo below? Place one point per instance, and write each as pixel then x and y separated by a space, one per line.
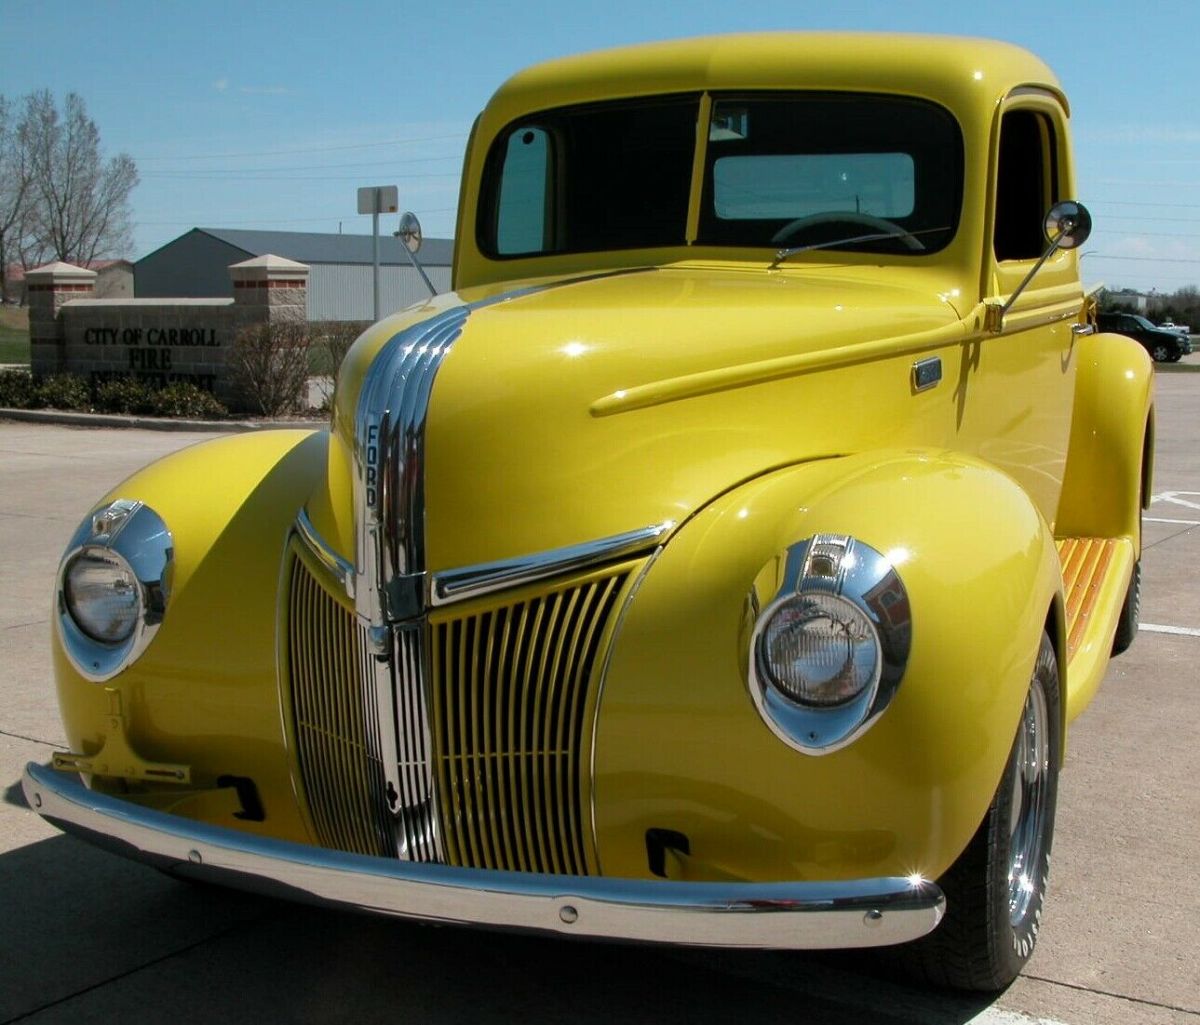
pixel 880 224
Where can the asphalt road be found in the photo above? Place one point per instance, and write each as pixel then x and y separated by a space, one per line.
pixel 87 937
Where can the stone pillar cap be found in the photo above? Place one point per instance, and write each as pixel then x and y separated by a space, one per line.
pixel 268 267
pixel 59 272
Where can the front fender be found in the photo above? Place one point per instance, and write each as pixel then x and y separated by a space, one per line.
pixel 205 692
pixel 681 747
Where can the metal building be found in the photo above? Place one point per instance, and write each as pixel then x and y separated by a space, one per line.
pixel 340 276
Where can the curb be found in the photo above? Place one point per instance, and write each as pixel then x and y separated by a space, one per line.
pixel 154 423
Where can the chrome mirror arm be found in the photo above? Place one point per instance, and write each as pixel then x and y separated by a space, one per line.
pixel 410 235
pixel 1068 225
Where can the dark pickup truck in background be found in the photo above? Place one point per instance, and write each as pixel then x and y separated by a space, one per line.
pixel 1165 345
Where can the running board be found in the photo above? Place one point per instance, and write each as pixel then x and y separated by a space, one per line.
pixel 1096 573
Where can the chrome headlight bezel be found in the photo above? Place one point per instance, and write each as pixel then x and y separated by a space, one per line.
pixel 847 570
pixel 135 537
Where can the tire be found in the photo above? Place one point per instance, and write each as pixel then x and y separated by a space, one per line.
pixel 996 889
pixel 1160 352
pixel 1127 622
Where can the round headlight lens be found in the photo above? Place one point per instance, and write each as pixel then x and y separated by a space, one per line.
pixel 102 595
pixel 820 650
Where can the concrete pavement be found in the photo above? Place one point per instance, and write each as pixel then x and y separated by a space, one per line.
pixel 89 937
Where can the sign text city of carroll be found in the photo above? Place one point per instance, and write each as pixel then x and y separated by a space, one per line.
pixel 159 341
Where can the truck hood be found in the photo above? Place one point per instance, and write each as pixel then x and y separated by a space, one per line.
pixel 578 410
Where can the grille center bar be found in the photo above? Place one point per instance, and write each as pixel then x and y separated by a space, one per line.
pixel 389 567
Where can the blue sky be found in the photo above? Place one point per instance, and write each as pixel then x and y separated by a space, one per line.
pixel 269 115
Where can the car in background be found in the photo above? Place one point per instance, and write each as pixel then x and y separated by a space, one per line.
pixel 1165 345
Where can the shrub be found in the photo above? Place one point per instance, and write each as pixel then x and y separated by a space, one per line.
pixel 65 391
pixel 124 395
pixel 17 390
pixel 331 340
pixel 185 399
pixel 269 364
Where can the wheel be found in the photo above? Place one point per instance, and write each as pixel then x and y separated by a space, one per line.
pixel 996 888
pixel 880 224
pixel 1127 623
pixel 1176 356
pixel 1160 352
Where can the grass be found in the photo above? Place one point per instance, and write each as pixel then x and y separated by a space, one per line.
pixel 14 334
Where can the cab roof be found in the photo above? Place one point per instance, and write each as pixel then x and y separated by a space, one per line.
pixel 962 73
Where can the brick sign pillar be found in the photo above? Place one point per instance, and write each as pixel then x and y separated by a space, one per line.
pixel 270 289
pixel 48 288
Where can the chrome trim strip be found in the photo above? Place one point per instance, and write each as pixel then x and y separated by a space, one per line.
pixel 389 482
pixel 782 915
pixel 474 581
pixel 339 568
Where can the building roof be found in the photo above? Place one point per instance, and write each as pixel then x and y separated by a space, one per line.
pixel 16 273
pixel 318 247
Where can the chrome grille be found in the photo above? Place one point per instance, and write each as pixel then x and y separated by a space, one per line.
pixel 510 701
pixel 415 812
pixel 337 743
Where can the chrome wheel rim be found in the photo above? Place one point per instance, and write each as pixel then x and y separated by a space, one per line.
pixel 1030 788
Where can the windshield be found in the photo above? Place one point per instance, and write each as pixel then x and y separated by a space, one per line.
pixel 841 171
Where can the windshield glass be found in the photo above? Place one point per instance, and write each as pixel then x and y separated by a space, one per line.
pixel 873 173
pixel 831 170
pixel 583 179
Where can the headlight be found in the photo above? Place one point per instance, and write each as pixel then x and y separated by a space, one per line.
pixel 820 650
pixel 113 587
pixel 830 646
pixel 102 595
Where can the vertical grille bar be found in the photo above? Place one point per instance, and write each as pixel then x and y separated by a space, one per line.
pixel 340 767
pixel 510 694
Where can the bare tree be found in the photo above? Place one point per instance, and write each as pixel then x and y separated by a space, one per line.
pixel 79 201
pixel 14 188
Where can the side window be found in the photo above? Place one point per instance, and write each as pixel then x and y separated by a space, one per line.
pixel 521 213
pixel 1026 184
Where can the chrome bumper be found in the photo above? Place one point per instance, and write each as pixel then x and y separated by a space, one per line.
pixel 854 913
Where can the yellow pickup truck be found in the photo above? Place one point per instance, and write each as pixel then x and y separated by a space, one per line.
pixel 721 562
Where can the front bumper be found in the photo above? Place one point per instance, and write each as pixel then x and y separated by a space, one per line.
pixel 801 915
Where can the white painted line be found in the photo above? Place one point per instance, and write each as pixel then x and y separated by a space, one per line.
pixel 997 1016
pixel 1183 631
pixel 1186 523
pixel 1174 499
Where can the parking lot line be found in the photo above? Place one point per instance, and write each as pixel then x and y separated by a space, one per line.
pixel 1176 498
pixel 1186 523
pixel 1154 628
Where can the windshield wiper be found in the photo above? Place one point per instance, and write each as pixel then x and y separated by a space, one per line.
pixel 875 236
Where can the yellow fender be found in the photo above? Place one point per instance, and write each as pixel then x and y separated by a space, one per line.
pixel 205 693
pixel 1110 461
pixel 680 745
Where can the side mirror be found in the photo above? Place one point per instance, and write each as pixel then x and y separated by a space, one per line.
pixel 1068 225
pixel 409 232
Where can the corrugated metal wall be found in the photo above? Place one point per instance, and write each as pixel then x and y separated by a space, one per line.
pixel 344 291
